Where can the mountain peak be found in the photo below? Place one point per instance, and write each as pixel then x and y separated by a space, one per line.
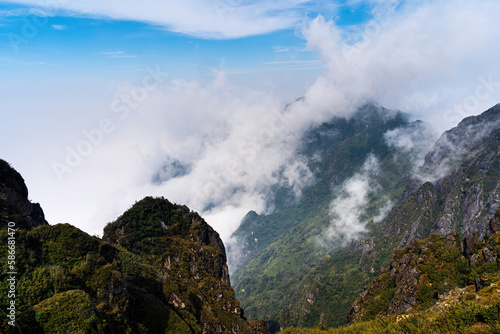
pixel 158 219
pixel 14 203
pixel 468 137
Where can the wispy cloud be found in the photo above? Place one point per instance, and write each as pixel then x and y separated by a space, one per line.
pixel 292 62
pixel 348 208
pixel 24 63
pixel 278 48
pixel 59 27
pixel 203 18
pixel 15 12
pixel 118 54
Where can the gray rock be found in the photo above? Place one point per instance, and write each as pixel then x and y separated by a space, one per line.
pixel 469 241
pixel 478 283
pixel 489 256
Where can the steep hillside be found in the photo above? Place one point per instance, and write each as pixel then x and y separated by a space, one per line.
pixel 463 193
pixel 160 268
pixel 335 151
pixel 308 283
pixel 286 274
pixel 432 287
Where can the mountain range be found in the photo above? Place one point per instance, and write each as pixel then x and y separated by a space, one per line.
pixel 159 268
pixel 380 183
pixel 396 223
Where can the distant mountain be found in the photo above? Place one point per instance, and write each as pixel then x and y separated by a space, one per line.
pixel 285 272
pixel 160 268
pixel 335 151
pixel 463 193
pixel 301 266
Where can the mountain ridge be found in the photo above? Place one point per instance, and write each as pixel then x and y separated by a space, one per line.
pixel 160 268
pixel 420 208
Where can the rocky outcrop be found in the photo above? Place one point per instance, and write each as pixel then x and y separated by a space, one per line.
pixel 425 273
pixel 399 288
pixel 14 203
pixel 193 276
pixel 470 241
pixel 407 277
pixel 462 188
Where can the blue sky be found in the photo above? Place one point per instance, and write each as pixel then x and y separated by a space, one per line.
pixel 228 68
pixel 37 41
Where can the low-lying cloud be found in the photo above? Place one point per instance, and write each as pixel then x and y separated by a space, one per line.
pixel 414 141
pixel 348 208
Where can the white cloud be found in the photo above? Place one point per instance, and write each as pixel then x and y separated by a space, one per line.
pixel 424 58
pixel 118 54
pixel 202 18
pixel 59 27
pixel 414 141
pixel 348 208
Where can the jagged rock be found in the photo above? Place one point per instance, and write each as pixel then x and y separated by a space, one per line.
pixel 489 256
pixel 174 300
pixel 469 241
pixel 478 284
pixel 474 259
pixel 181 242
pixel 494 225
pixel 405 277
pixel 405 296
pixel 14 203
pixel 451 241
pixel 365 249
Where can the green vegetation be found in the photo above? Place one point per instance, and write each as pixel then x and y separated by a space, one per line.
pixel 162 269
pixel 446 300
pixel 70 312
pixel 467 317
pixel 290 258
pixel 291 276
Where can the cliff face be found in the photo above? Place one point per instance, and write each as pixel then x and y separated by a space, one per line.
pixel 14 203
pixel 189 260
pixel 464 189
pixel 160 268
pixel 429 272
